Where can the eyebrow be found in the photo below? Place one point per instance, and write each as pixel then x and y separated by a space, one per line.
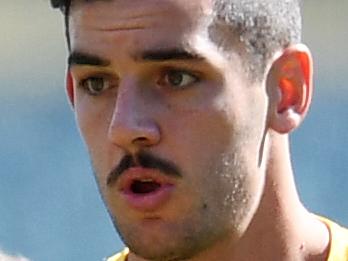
pixel 79 58
pixel 159 55
pixel 162 55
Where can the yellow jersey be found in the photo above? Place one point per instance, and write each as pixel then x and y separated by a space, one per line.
pixel 338 244
pixel 122 256
pixel 338 241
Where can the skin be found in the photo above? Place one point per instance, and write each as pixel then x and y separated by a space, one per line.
pixel 225 133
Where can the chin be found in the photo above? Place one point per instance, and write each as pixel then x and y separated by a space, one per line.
pixel 165 251
pixel 169 242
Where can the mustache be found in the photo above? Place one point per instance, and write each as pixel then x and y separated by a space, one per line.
pixel 145 160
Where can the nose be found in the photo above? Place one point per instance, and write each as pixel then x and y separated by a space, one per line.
pixel 133 126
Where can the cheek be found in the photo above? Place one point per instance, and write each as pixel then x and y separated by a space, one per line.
pixel 197 139
pixel 197 123
pixel 217 146
pixel 93 117
pixel 93 122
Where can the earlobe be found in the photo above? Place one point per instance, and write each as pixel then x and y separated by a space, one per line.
pixel 70 88
pixel 290 87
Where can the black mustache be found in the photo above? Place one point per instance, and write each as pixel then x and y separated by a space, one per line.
pixel 145 160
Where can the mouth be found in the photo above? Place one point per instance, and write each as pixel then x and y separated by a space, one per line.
pixel 145 189
pixel 144 186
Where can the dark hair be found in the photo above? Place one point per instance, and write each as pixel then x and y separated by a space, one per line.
pixel 62 4
pixel 262 26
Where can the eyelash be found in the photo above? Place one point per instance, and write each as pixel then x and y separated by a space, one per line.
pixel 107 79
pixel 196 77
pixel 162 81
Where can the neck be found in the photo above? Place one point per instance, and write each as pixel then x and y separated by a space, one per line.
pixel 282 229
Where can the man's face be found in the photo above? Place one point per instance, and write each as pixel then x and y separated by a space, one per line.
pixel 174 129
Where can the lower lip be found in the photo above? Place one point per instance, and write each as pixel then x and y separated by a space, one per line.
pixel 149 201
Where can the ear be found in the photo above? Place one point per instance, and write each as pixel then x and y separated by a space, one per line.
pixel 69 86
pixel 289 85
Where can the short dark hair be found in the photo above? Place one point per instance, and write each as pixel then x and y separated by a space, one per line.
pixel 60 3
pixel 262 26
pixel 64 6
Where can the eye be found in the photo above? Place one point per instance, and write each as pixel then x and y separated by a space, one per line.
pixel 178 79
pixel 95 85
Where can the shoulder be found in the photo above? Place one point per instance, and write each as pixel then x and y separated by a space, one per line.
pixel 338 241
pixel 121 256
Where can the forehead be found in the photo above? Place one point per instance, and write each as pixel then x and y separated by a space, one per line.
pixel 125 8
pixel 160 21
pixel 122 29
pixel 124 14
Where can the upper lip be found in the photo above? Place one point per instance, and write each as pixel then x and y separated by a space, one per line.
pixel 142 174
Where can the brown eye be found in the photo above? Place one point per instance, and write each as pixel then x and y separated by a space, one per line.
pixel 95 85
pixel 177 79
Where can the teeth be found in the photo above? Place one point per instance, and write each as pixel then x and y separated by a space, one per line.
pixel 147 180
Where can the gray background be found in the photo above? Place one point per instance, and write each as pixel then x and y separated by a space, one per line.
pixel 49 204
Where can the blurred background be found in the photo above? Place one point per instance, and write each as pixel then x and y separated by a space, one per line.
pixel 50 208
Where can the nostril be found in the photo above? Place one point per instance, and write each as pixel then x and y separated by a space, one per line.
pixel 142 141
